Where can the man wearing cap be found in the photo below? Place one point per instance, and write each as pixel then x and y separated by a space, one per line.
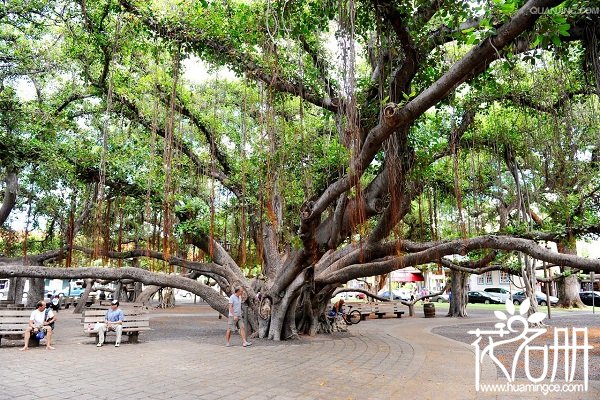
pixel 41 320
pixel 113 321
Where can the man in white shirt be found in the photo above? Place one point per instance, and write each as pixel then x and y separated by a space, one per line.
pixel 41 319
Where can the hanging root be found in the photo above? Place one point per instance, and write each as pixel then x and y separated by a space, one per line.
pixel 591 45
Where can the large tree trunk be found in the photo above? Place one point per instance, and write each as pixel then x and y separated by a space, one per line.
pixel 568 292
pixel 16 289
pixel 458 297
pixel 148 293
pixel 568 287
pixel 84 296
pixel 35 292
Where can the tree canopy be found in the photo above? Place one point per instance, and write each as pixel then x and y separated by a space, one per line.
pixel 301 143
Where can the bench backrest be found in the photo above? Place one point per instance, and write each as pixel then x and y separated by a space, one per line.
pixel 362 307
pixel 387 307
pixel 14 320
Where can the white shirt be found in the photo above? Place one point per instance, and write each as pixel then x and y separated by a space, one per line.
pixel 38 317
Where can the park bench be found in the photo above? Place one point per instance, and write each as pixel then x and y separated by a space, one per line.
pixel 136 320
pixel 380 309
pixel 13 322
pixel 10 304
pixel 365 309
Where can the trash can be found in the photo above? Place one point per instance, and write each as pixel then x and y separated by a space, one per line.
pixel 429 310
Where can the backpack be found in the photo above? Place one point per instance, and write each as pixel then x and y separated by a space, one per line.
pixel 46 318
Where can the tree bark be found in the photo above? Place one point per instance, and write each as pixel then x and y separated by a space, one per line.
pixel 458 294
pixel 147 294
pixel 214 299
pixel 10 195
pixel 84 296
pixel 568 287
pixel 35 292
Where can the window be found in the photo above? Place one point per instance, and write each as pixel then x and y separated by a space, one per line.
pixel 3 283
pixel 504 277
pixel 485 279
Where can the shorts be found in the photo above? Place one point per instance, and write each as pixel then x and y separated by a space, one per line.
pixel 231 324
pixel 41 328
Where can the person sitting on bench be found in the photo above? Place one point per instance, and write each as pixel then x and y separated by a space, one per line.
pixel 41 323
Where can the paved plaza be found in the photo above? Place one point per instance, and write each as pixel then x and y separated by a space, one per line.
pixel 184 357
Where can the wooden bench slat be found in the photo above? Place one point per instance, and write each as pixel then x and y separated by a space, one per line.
pixel 14 326
pixel 380 309
pixel 102 312
pixel 126 324
pixel 90 320
pixel 15 318
pixel 23 312
pixel 8 330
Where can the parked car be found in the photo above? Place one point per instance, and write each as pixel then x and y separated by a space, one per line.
pixel 440 298
pixel 590 298
pixel 356 295
pixel 502 293
pixel 483 297
pixel 398 295
pixel 75 292
pixel 519 297
pixel 50 293
pixel 3 288
pixel 349 296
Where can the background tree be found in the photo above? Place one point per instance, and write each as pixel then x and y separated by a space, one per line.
pixel 401 144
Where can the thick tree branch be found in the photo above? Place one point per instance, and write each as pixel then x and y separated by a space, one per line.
pixel 220 256
pixel 73 97
pixel 461 247
pixel 474 62
pixel 211 296
pixel 10 195
pixel 404 75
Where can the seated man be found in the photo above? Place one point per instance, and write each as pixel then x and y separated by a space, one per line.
pixel 113 321
pixel 41 320
pixel 337 309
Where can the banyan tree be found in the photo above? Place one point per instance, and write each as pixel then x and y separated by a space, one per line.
pixel 290 147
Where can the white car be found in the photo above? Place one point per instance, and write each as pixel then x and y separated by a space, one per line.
pixel 349 296
pixel 501 293
pixel 398 294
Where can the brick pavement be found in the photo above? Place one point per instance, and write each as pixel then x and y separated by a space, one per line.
pixel 379 359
